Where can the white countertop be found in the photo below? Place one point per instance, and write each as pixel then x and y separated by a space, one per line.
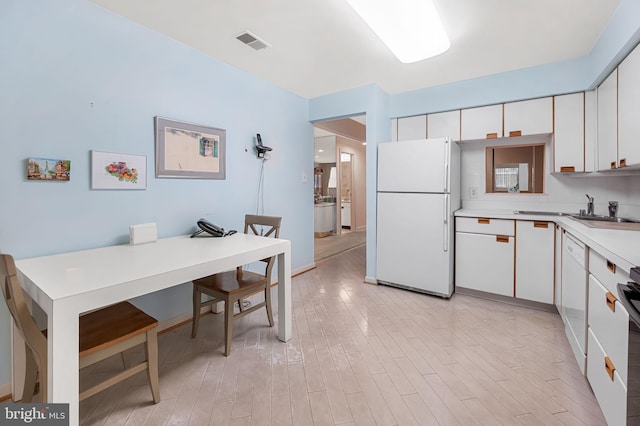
pixel 621 247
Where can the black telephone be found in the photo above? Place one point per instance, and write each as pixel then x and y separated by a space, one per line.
pixel 211 229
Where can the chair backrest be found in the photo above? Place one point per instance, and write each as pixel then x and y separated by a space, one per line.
pixel 252 221
pixel 23 320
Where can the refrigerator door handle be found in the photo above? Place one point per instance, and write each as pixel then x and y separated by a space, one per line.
pixel 446 166
pixel 445 225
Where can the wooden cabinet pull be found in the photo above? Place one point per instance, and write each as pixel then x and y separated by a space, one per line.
pixel 611 301
pixel 515 133
pixel 611 266
pixel 502 239
pixel 537 224
pixel 613 165
pixel 608 365
pixel 484 221
pixel 567 169
pixel 623 162
pixel 492 135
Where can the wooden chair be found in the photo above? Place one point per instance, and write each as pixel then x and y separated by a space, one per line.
pixel 103 333
pixel 233 286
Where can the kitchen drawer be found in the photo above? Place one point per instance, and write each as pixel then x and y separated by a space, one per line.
pixel 611 327
pixel 480 225
pixel 606 272
pixel 485 263
pixel 610 392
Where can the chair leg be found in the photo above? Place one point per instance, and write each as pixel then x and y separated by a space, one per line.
pixel 152 363
pixel 197 301
pixel 267 299
pixel 30 376
pixel 228 326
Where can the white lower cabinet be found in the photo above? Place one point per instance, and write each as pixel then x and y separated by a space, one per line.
pixel 484 259
pixel 558 269
pixel 607 385
pixel 535 261
pixel 608 348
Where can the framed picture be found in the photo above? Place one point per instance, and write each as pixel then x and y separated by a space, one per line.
pixel 48 169
pixel 110 170
pixel 185 150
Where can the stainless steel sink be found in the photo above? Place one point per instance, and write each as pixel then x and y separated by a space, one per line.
pixel 599 218
pixel 541 213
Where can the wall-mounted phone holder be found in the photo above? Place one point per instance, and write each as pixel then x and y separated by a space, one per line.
pixel 261 149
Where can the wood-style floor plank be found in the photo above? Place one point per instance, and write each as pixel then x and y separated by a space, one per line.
pixel 360 354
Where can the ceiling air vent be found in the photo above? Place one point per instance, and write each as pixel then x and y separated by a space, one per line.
pixel 253 40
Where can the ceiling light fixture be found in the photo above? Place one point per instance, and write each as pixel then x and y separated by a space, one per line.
pixel 411 29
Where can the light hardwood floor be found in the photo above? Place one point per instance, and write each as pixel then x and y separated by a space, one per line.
pixel 361 355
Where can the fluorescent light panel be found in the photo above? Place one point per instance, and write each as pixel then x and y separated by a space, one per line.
pixel 411 29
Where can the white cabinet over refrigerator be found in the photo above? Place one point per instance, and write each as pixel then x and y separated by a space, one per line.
pixel 418 192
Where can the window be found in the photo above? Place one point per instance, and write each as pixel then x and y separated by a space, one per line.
pixel 515 169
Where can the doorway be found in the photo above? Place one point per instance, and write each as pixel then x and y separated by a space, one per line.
pixel 339 186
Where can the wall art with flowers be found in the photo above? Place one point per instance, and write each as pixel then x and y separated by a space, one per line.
pixel 110 170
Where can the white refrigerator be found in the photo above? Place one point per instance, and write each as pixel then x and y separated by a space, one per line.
pixel 418 192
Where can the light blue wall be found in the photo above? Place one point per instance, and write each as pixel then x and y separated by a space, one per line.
pixel 76 77
pixel 373 102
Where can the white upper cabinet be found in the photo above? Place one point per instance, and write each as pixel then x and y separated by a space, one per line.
pixel 628 110
pixel 482 123
pixel 568 140
pixel 412 128
pixel 444 125
pixel 607 123
pixel 530 117
pixel 590 130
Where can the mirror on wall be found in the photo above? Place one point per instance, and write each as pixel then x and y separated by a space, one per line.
pixel 515 169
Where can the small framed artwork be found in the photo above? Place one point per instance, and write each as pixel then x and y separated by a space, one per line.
pixel 185 150
pixel 48 169
pixel 110 170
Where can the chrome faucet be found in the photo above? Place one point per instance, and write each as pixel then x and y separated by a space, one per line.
pixel 613 208
pixel 590 209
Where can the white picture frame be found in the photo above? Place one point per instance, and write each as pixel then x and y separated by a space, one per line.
pixel 111 170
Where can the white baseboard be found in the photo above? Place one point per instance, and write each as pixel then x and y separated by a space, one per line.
pixel 303 269
pixel 370 280
pixel 5 389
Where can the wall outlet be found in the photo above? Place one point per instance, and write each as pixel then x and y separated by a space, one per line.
pixel 473 192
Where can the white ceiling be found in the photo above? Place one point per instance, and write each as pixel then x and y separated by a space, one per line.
pixel 322 46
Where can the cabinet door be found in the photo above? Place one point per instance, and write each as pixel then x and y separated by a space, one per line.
pixel 412 128
pixel 608 123
pixel 568 140
pixel 558 270
pixel 530 117
pixel 482 123
pixel 485 262
pixel 628 107
pixel 590 131
pixel 444 125
pixel 534 261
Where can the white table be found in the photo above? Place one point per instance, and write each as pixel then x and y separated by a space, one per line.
pixel 66 285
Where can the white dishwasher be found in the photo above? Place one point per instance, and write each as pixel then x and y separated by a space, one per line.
pixel 574 296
